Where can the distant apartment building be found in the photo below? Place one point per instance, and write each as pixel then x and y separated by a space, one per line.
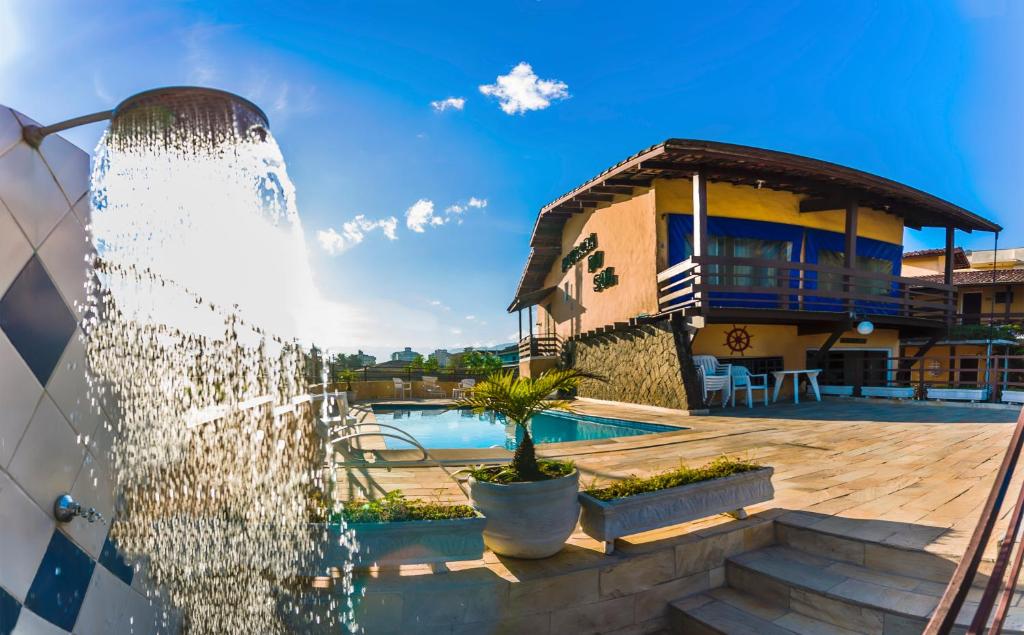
pixel 406 355
pixel 365 360
pixel 442 356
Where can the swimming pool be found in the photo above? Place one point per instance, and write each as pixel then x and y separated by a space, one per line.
pixel 440 428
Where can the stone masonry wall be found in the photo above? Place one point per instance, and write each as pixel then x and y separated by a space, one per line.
pixel 639 365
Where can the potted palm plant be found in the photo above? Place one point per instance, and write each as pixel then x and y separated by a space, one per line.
pixel 531 505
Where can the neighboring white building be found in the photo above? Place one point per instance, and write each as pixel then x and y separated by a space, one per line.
pixel 405 356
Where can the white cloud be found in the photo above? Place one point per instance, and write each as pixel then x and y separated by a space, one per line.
pixel 450 103
pixel 470 317
pixel 420 215
pixel 440 305
pixel 354 232
pixel 456 210
pixel 456 331
pixel 521 90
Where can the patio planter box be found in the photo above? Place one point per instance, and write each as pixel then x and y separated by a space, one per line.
pixel 410 542
pixel 1013 396
pixel 958 394
pixel 836 391
pixel 608 520
pixel 892 392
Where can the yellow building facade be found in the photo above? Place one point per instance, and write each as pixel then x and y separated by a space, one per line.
pixel 764 259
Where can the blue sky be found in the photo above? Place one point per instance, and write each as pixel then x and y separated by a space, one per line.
pixel 927 93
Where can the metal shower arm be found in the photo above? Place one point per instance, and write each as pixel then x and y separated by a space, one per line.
pixel 34 134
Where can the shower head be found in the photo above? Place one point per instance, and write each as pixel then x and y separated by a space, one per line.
pixel 194 110
pixel 213 114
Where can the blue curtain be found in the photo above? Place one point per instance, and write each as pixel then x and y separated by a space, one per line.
pixel 819 240
pixel 680 247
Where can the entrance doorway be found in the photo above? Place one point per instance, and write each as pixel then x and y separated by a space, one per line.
pixel 971 308
pixel 852 368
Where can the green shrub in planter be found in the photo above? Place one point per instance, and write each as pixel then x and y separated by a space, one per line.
pixel 637 504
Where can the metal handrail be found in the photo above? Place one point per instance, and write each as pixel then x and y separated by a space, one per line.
pixel 944 617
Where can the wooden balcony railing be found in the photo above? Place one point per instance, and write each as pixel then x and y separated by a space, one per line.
pixel 703 284
pixel 540 346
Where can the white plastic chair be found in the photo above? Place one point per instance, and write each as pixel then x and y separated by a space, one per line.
pixel 743 378
pixel 402 389
pixel 714 376
pixel 430 387
pixel 464 388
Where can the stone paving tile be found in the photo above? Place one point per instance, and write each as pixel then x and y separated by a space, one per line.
pixel 911 476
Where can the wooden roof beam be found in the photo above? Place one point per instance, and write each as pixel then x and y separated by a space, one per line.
pixel 612 189
pixel 597 198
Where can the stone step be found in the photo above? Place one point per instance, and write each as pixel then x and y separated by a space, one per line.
pixel 839 592
pixel 860 542
pixel 724 611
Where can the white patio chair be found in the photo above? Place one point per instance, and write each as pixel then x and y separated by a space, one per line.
pixel 714 376
pixel 743 378
pixel 464 388
pixel 402 389
pixel 431 388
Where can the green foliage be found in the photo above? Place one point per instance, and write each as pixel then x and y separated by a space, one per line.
pixel 518 399
pixel 394 507
pixel 505 474
pixel 985 332
pixel 416 363
pixel 629 486
pixel 431 364
pixel 346 377
pixel 481 362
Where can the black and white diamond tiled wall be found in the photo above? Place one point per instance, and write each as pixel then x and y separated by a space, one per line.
pixel 68 578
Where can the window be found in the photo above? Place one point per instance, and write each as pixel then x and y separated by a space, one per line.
pixel 738 275
pixel 758 365
pixel 1004 297
pixel 567 292
pixel 863 286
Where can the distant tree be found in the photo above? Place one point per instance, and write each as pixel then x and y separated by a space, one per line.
pixel 481 362
pixel 416 363
pixel 431 364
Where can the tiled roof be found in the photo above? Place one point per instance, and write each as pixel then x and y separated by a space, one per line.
pixel 960 260
pixel 960 278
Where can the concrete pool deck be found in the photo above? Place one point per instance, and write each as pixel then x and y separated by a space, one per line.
pixel 901 476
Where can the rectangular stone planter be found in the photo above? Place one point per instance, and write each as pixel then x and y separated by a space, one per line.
pixel 891 392
pixel 1013 396
pixel 836 391
pixel 608 520
pixel 410 542
pixel 958 394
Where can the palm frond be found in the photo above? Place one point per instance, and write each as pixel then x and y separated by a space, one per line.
pixel 519 398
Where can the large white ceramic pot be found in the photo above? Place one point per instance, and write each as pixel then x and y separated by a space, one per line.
pixel 528 520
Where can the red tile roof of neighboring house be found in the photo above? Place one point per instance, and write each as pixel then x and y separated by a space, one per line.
pixel 963 278
pixel 960 260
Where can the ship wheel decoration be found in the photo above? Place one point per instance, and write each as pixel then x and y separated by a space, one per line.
pixel 738 339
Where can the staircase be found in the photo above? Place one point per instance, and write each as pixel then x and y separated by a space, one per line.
pixel 814 582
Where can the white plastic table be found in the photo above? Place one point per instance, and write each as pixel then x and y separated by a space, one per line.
pixel 780 378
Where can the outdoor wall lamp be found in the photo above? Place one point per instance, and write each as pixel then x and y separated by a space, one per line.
pixel 865 327
pixel 218 110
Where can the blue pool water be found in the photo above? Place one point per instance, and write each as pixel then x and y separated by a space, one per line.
pixel 440 428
